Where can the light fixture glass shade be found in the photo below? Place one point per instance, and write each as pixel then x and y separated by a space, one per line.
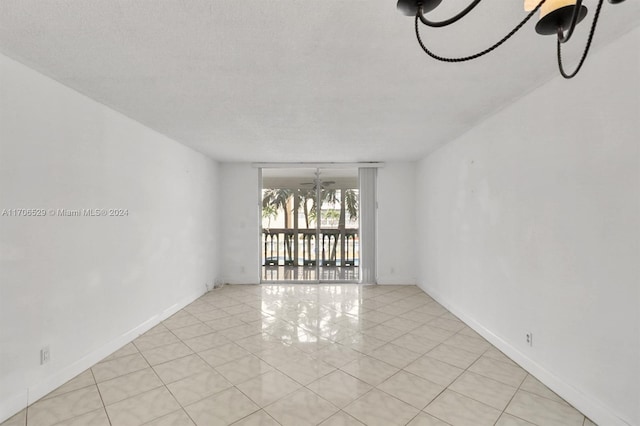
pixel 529 5
pixel 553 5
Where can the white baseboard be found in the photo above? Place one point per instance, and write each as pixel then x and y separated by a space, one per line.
pixel 396 281
pixel 35 391
pixel 240 280
pixel 9 407
pixel 589 406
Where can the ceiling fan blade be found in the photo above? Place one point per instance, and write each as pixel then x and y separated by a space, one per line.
pixel 529 5
pixel 324 182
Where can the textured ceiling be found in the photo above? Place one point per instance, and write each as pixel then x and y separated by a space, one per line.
pixel 291 80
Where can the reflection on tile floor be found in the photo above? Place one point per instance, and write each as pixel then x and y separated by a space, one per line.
pixel 305 355
pixel 309 273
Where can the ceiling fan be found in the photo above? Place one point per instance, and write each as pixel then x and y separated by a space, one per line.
pixel 323 183
pixel 557 17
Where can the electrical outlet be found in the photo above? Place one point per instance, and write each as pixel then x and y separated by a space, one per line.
pixel 529 337
pixel 45 355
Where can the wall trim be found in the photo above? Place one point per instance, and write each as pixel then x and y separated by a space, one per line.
pixel 589 406
pixel 396 281
pixel 327 165
pixel 13 405
pixel 33 393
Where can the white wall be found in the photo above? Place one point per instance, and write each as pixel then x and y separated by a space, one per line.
pixel 86 285
pixel 531 222
pixel 240 218
pixel 240 222
pixel 396 260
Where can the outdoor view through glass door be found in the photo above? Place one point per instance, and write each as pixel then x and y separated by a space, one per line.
pixel 310 225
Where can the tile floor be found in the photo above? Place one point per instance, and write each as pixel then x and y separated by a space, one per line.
pixel 305 355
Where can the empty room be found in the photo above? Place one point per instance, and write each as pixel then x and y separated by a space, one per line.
pixel 409 212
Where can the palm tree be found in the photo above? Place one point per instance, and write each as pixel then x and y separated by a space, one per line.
pixel 304 196
pixel 279 198
pixel 274 199
pixel 351 200
pixel 330 195
pixel 347 196
pixel 348 202
pixel 269 212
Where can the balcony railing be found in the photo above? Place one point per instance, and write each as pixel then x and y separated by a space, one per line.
pixel 291 247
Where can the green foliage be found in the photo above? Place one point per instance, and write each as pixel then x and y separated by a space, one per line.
pixel 274 199
pixel 351 199
pixel 269 212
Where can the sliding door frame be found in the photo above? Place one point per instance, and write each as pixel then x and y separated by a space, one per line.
pixel 370 276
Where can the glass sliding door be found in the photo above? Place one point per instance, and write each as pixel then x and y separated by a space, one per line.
pixel 309 229
pixel 338 231
pixel 289 237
